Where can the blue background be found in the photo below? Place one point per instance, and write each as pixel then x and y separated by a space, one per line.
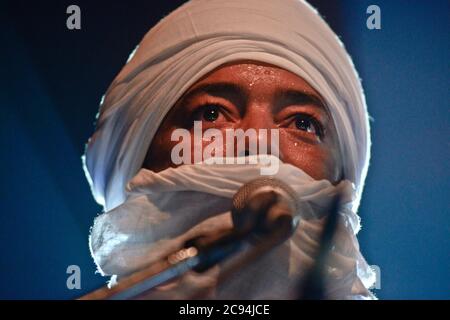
pixel 51 83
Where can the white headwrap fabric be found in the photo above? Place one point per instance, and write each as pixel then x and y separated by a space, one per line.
pixel 197 38
pixel 164 210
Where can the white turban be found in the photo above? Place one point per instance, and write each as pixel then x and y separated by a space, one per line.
pixel 195 39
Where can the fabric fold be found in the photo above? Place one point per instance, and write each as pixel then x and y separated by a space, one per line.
pixel 165 209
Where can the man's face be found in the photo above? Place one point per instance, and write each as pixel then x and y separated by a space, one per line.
pixel 248 94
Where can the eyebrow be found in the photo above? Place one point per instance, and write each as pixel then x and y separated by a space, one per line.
pixel 235 93
pixel 295 97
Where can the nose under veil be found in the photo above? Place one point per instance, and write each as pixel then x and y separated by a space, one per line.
pixel 184 46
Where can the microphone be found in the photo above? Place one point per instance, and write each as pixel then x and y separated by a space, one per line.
pixel 264 213
pixel 265 204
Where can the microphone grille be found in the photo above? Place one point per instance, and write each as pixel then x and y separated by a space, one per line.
pixel 242 196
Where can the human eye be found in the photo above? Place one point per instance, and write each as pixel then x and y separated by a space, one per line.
pixel 211 113
pixel 307 123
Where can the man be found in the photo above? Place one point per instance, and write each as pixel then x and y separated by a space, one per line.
pixel 204 72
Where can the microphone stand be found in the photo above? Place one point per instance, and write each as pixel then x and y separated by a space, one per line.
pixel 191 258
pixel 169 268
pixel 200 254
pixel 312 286
pixel 262 247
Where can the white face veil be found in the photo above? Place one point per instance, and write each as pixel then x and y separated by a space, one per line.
pixel 144 220
pixel 195 39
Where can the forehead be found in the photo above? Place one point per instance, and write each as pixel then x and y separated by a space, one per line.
pixel 257 77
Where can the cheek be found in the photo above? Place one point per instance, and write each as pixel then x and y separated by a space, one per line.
pixel 159 154
pixel 217 149
pixel 317 160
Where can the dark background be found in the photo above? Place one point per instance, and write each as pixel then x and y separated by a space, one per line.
pixel 51 83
